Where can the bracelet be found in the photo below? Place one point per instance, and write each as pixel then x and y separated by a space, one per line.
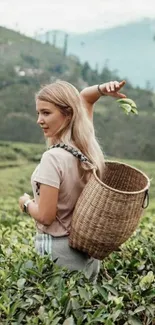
pixel 100 91
pixel 25 207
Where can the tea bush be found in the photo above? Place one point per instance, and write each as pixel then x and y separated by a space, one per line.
pixel 34 290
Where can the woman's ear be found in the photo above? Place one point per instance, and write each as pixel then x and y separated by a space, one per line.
pixel 69 117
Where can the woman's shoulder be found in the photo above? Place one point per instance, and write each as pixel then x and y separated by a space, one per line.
pixel 57 152
pixel 58 155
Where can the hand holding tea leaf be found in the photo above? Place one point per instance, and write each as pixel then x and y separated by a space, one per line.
pixel 112 89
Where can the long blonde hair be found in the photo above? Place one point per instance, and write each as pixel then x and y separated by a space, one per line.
pixel 78 131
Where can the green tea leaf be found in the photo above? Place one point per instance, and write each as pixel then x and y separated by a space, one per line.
pixel 128 105
pixel 127 108
pixel 133 320
pixel 139 309
pixel 75 304
pixel 20 283
pixel 127 101
pixel 116 314
pixel 147 280
pixel 69 321
pixel 83 294
pixel 99 312
pixel 29 264
pixel 134 110
pixel 102 292
pixel 151 310
pixel 111 289
pixel 56 320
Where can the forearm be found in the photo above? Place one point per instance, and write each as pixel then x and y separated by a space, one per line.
pixel 33 210
pixel 91 94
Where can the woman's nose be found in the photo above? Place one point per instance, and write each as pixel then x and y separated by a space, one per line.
pixel 39 120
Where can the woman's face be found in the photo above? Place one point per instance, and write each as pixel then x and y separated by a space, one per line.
pixel 50 118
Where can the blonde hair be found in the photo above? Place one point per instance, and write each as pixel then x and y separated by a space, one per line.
pixel 78 129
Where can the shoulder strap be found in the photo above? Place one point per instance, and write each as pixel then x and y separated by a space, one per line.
pixel 77 153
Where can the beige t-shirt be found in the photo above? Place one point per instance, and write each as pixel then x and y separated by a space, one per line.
pixel 59 168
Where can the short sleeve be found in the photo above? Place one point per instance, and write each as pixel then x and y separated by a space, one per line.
pixel 49 171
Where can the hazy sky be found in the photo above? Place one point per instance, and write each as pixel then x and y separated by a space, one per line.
pixel 30 16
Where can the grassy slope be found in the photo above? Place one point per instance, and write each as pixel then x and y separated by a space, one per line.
pixel 15 180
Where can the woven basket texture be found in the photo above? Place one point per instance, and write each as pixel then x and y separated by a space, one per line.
pixel 108 211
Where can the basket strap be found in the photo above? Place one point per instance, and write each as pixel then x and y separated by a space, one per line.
pixel 146 200
pixel 75 152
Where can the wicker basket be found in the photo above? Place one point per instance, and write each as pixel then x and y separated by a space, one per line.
pixel 107 213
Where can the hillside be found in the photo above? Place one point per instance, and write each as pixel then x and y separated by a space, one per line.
pixel 26 64
pixel 130 49
pixel 26 52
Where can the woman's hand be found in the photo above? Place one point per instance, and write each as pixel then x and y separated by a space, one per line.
pixel 22 200
pixel 112 88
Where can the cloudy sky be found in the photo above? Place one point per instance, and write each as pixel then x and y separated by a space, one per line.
pixel 31 16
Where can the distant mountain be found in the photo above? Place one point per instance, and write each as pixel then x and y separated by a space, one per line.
pixel 129 49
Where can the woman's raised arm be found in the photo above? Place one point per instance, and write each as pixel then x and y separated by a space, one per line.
pixel 91 94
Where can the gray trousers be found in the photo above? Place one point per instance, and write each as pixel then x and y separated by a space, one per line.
pixel 58 248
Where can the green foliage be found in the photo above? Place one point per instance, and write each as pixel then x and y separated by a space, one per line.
pixel 21 151
pixel 34 290
pixel 128 105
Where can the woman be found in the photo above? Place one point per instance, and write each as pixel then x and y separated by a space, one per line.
pixel 65 115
